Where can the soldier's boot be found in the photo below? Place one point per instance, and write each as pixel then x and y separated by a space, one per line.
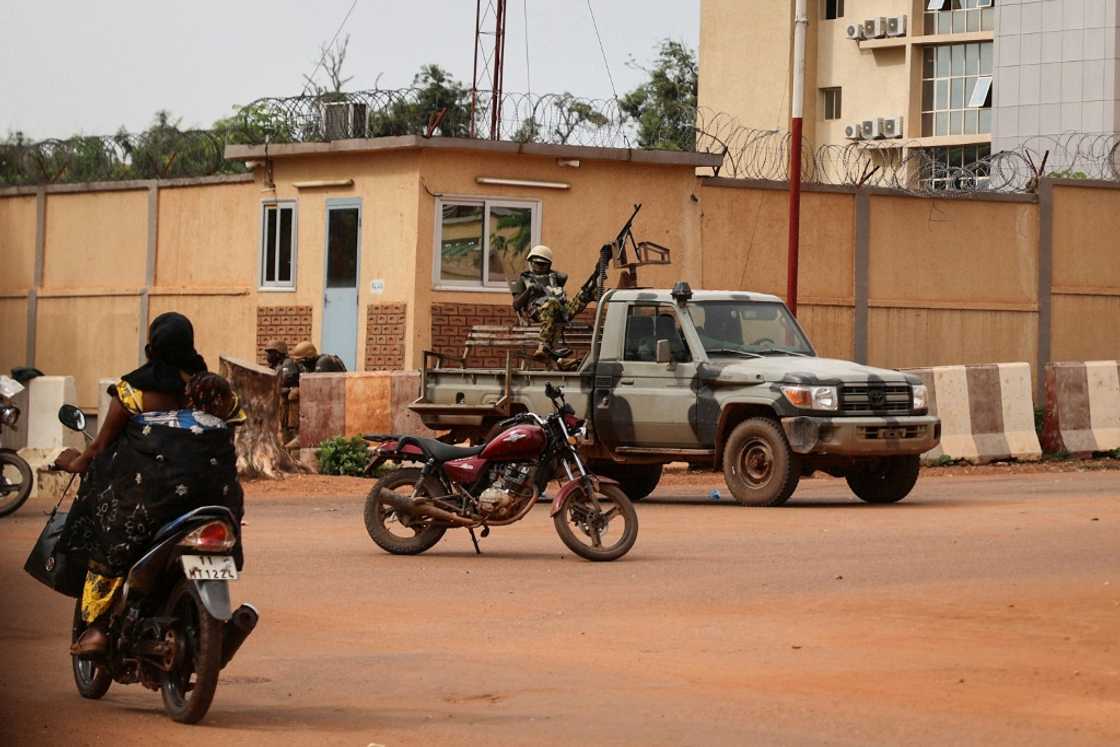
pixel 542 353
pixel 567 364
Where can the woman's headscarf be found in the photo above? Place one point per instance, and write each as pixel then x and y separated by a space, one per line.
pixel 171 354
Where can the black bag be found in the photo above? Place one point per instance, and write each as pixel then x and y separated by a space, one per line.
pixel 62 571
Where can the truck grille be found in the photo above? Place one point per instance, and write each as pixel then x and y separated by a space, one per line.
pixel 874 399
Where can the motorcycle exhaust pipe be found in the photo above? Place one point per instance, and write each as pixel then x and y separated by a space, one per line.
pixel 403 505
pixel 237 629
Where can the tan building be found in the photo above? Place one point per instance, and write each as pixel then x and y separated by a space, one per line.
pixel 944 78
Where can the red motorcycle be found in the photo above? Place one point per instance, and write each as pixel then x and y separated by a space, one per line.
pixel 496 484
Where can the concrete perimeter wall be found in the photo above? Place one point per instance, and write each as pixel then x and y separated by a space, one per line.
pixel 897 280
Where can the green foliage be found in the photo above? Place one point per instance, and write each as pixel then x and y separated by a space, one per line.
pixel 1039 420
pixel 568 114
pixel 254 124
pixel 435 90
pixel 1114 454
pixel 343 456
pixel 665 105
pixel 1068 174
pixel 1060 456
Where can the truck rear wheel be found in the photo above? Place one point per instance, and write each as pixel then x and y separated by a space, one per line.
pixel 636 480
pixel 889 480
pixel 759 467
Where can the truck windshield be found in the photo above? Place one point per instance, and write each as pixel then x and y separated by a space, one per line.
pixel 737 327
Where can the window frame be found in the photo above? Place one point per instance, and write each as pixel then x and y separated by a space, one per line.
pixel 659 307
pixel 263 283
pixel 484 284
pixel 837 10
pixel 838 112
pixel 957 15
pixel 929 108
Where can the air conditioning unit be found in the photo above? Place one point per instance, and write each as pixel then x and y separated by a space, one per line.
pixel 875 28
pixel 343 120
pixel 853 131
pixel 896 26
pixel 854 31
pixel 872 129
pixel 892 126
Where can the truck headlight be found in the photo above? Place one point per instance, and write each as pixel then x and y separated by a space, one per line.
pixel 9 415
pixel 921 397
pixel 812 397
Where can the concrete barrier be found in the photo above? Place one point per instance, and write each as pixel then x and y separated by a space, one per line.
pixel 1082 407
pixel 349 404
pixel 103 400
pixel 986 411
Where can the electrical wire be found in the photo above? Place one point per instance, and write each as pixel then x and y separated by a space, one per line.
pixel 602 50
pixel 327 47
pixel 525 16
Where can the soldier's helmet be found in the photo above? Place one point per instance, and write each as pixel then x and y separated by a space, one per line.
pixel 304 350
pixel 540 253
pixel 277 346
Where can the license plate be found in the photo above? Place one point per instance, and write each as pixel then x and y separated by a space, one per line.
pixel 209 567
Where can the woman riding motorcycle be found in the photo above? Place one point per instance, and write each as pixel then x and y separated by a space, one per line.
pixel 165 447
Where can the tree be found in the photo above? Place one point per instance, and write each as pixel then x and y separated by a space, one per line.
pixel 332 59
pixel 254 124
pixel 664 107
pixel 433 91
pixel 565 114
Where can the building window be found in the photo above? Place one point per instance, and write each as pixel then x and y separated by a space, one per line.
pixel 959 16
pixel 963 167
pixel 831 98
pixel 278 245
pixel 832 9
pixel 957 89
pixel 507 229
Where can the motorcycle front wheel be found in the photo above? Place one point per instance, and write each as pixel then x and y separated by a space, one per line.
pixel 15 482
pixel 189 687
pixel 603 526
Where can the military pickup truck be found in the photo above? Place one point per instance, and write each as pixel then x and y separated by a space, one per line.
pixel 719 379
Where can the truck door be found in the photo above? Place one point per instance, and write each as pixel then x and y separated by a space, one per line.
pixel 658 398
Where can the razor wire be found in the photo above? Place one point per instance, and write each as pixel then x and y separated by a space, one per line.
pixel 562 119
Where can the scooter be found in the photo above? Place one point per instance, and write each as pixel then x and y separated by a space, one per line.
pixel 15 472
pixel 174 631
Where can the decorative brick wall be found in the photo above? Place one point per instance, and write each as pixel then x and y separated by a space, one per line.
pixel 451 322
pixel 292 324
pixel 385 333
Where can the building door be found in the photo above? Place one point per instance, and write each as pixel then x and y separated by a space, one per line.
pixel 340 295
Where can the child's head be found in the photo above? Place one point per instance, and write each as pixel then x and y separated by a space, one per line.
pixel 212 394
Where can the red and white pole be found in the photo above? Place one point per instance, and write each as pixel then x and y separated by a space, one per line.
pixel 797 111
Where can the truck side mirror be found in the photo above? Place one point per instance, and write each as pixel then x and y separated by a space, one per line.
pixel 664 353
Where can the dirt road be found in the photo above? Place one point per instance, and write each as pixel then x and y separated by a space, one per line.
pixel 982 610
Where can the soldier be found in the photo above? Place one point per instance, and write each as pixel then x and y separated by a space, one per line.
pixel 539 295
pixel 303 359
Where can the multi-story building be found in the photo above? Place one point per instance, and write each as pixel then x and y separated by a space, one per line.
pixel 955 80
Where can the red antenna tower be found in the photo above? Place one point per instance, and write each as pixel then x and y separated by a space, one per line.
pixel 489 61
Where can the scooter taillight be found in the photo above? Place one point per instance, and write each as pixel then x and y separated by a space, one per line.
pixel 217 536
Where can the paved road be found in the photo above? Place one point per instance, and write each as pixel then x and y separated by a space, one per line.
pixel 980 611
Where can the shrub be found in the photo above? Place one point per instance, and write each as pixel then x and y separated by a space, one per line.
pixel 343 456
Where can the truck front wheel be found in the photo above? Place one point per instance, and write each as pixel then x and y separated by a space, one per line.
pixel 889 480
pixel 636 480
pixel 758 465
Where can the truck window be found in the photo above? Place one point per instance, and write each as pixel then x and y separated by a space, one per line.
pixel 645 325
pixel 752 327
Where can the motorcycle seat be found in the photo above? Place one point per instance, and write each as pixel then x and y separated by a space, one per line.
pixel 440 451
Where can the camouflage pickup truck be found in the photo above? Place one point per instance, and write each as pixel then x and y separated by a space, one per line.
pixel 719 379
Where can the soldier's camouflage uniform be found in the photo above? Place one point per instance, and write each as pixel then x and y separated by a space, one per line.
pixel 548 305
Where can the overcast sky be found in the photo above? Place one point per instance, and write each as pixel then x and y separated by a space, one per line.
pixel 90 67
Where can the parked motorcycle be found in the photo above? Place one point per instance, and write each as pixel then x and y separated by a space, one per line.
pixel 15 472
pixel 495 484
pixel 175 631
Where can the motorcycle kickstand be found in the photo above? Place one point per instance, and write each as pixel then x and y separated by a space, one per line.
pixel 474 539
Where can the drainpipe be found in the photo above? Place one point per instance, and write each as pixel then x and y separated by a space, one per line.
pixel 797 107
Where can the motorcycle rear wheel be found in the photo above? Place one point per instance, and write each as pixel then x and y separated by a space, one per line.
pixel 582 522
pixel 15 482
pixel 379 517
pixel 200 637
pixel 92 679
